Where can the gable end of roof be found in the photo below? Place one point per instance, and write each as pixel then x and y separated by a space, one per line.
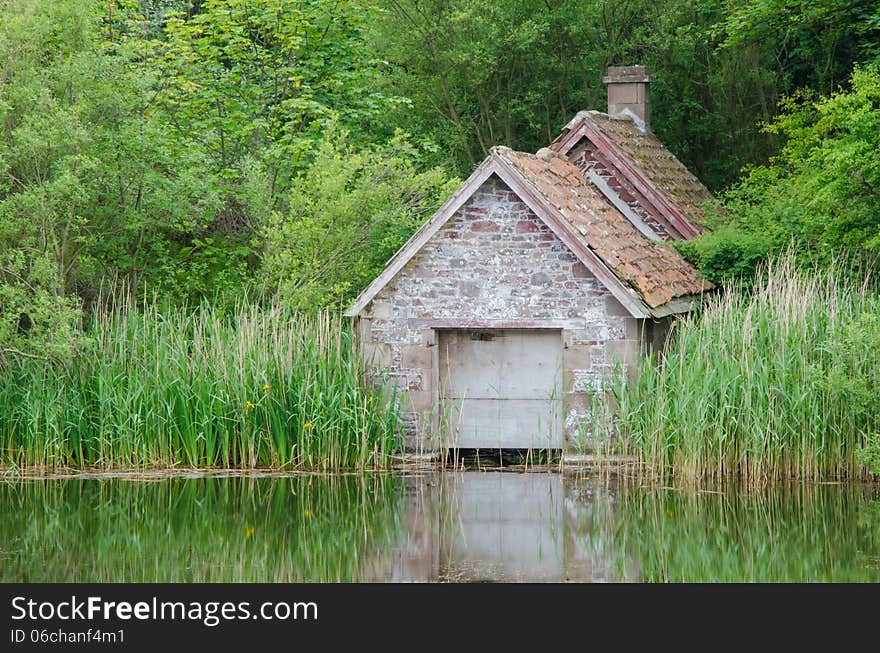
pixel 497 163
pixel 643 160
pixel 649 279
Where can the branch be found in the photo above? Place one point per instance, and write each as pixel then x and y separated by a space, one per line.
pixel 18 352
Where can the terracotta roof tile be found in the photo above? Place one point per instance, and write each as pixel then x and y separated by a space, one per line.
pixel 656 271
pixel 665 172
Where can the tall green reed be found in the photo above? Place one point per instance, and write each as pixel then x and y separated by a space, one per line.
pixel 779 382
pixel 251 387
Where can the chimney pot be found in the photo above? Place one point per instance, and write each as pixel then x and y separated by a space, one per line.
pixel 628 93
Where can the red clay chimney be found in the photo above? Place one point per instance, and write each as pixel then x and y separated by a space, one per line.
pixel 628 93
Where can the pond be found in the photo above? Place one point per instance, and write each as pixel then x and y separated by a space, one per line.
pixel 433 526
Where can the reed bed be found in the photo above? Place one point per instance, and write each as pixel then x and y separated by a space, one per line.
pixel 779 382
pixel 251 387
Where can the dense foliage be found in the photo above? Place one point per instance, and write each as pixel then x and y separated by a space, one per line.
pixel 271 155
pixel 515 71
pixel 155 143
pixel 211 148
pixel 820 194
pixel 320 250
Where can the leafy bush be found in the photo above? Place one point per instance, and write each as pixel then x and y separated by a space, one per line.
pixel 349 213
pixel 822 191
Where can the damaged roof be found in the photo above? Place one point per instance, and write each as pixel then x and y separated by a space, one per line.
pixel 648 277
pixel 646 154
pixel 656 271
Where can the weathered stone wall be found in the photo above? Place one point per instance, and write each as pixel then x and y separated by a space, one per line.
pixel 495 264
pixel 587 157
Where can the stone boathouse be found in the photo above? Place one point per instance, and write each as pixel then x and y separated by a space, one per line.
pixel 506 310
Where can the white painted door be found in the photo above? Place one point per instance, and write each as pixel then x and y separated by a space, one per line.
pixel 501 388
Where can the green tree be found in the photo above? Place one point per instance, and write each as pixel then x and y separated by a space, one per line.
pixel 251 86
pixel 515 71
pixel 821 193
pixel 47 167
pixel 348 213
pixel 93 188
pixel 257 83
pixel 807 44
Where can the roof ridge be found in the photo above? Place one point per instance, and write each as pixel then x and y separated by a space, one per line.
pixel 647 278
pixel 606 230
pixel 655 180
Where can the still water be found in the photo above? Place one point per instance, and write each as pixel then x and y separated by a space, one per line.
pixel 436 526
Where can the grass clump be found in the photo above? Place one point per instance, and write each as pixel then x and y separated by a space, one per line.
pixel 782 381
pixel 253 387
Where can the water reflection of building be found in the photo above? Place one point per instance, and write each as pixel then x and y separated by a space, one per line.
pixel 413 556
pixel 501 526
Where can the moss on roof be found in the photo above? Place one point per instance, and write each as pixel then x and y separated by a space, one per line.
pixel 656 271
pixel 662 169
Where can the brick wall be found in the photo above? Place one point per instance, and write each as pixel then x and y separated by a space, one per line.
pixel 495 263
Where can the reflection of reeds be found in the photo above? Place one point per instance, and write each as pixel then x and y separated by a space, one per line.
pixel 778 383
pixel 254 387
pixel 294 529
pixel 786 533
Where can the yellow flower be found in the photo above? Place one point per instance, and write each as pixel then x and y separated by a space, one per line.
pixel 249 404
pixel 248 532
pixel 266 387
pixel 370 398
pixel 308 425
pixel 307 514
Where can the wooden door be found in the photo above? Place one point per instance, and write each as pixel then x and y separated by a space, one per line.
pixel 501 388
